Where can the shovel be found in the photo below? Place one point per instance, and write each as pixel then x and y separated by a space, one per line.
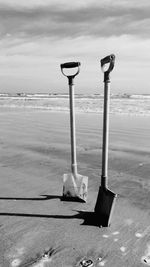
pixel 106 198
pixel 74 184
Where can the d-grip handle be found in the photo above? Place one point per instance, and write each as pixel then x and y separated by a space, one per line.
pixel 70 65
pixel 109 59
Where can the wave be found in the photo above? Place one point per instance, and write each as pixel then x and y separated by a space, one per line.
pixel 65 95
pixel 133 105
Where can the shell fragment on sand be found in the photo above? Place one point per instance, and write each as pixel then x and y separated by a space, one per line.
pixel 16 263
pixel 115 233
pixel 146 258
pixel 86 263
pixel 123 249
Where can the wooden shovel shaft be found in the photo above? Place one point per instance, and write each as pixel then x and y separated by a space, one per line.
pixel 72 128
pixel 105 134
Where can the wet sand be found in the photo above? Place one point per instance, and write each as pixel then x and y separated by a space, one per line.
pixel 34 155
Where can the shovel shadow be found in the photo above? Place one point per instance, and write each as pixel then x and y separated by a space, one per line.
pixel 87 217
pixel 43 197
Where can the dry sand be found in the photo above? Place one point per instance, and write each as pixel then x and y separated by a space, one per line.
pixel 34 155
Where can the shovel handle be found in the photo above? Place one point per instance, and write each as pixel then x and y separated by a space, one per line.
pixel 109 59
pixel 70 65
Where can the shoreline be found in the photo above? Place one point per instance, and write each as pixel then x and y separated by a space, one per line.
pixel 36 109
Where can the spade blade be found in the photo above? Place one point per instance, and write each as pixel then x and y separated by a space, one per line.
pixel 75 188
pixel 104 206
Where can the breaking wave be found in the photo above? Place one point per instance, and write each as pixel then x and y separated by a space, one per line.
pixel 119 104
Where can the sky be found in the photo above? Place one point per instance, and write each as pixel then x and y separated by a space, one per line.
pixel 36 36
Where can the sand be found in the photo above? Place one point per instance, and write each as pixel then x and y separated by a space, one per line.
pixel 36 227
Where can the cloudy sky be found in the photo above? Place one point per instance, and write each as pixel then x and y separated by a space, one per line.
pixel 37 35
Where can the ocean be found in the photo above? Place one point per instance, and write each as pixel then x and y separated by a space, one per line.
pixel 119 104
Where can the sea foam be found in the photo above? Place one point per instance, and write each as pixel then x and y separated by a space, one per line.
pixel 93 103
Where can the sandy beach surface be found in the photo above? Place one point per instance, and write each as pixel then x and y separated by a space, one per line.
pixel 36 227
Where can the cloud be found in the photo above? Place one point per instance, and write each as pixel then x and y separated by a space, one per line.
pixel 38 35
pixel 62 3
pixel 62 21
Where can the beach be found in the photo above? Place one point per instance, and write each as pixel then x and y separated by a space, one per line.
pixel 36 227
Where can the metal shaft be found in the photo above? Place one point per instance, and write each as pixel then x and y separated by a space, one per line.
pixel 105 134
pixel 72 128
